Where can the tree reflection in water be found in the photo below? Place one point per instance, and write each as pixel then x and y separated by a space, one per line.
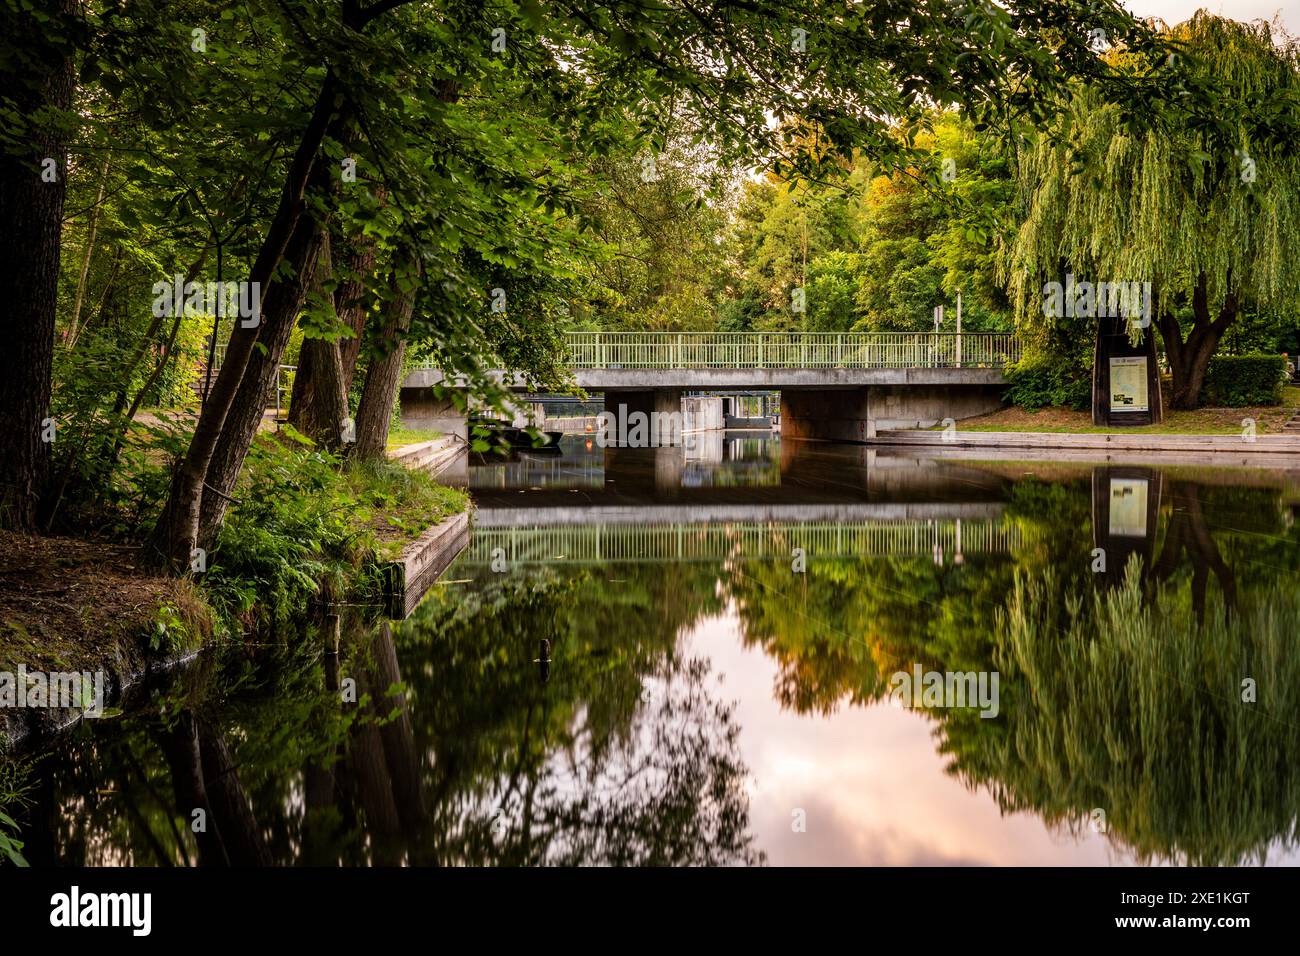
pixel 1120 691
pixel 625 756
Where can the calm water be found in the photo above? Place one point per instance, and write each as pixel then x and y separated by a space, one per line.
pixel 627 665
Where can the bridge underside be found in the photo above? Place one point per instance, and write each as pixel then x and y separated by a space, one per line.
pixel 864 410
pixel 841 414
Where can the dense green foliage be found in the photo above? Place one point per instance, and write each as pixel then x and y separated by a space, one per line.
pixel 876 248
pixel 306 525
pixel 1235 381
pixel 1044 381
pixel 309 527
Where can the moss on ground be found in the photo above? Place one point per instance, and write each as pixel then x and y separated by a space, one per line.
pixel 73 605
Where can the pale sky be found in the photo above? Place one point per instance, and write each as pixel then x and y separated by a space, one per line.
pixel 1176 11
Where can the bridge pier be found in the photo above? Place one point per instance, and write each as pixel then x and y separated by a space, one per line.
pixel 833 414
pixel 661 406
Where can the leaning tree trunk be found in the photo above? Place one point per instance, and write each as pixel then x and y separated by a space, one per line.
pixel 177 532
pixel 33 183
pixel 384 373
pixel 282 303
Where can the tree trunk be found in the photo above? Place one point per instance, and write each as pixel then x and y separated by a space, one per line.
pixel 39 75
pixel 304 376
pixel 330 424
pixel 86 254
pixel 177 532
pixel 178 528
pixel 356 262
pixel 282 303
pixel 384 373
pixel 1189 360
pixel 319 408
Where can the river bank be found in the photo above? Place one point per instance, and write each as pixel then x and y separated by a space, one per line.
pixel 1265 450
pixel 1266 419
pixel 374 535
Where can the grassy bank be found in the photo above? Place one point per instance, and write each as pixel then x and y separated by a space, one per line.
pixel 310 525
pixel 400 437
pixel 1268 419
pixel 305 525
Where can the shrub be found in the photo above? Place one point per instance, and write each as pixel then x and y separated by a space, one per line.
pixel 1235 381
pixel 307 524
pixel 1042 382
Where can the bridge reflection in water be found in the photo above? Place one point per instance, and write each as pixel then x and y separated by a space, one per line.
pixel 735 499
pixel 734 470
pixel 737 541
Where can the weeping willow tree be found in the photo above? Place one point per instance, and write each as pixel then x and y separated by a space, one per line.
pixel 1204 206
pixel 1128 702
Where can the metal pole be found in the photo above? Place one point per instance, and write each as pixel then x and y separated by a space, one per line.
pixel 959 329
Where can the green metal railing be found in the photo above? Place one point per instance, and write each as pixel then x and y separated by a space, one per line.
pixel 680 350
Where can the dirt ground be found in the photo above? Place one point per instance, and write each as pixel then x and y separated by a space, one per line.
pixel 73 605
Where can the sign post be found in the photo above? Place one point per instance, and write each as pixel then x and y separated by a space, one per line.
pixel 1125 377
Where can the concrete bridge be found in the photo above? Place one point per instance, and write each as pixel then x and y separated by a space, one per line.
pixel 834 386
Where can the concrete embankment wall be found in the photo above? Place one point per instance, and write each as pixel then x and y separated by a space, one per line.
pixel 422 561
pixel 1216 450
pixel 446 457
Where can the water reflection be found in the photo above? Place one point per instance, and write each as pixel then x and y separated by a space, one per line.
pixel 632 670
